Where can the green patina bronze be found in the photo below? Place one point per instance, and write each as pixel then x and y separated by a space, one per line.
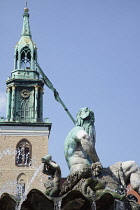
pixel 88 179
pixel 80 142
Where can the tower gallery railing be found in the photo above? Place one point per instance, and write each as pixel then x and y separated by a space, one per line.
pixel 26 120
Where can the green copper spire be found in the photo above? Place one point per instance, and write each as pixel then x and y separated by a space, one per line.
pixel 26 25
pixel 25 87
pixel 25 49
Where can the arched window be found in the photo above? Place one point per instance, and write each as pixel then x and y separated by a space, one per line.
pixel 34 55
pixel 16 60
pixel 25 109
pixel 25 58
pixel 21 184
pixel 23 153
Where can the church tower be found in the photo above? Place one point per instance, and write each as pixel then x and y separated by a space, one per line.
pixel 25 88
pixel 23 135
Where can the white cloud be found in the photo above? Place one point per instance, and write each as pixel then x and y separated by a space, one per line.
pixel 2 104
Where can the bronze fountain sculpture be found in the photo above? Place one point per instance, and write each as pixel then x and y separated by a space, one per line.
pixel 105 187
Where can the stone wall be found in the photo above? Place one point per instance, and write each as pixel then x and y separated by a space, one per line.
pixel 10 172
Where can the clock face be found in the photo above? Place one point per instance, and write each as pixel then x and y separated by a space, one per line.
pixel 25 93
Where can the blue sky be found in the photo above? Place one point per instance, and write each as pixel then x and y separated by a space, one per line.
pixel 90 50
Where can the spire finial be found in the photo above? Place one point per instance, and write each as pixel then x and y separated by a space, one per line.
pixel 26 4
pixel 26 8
pixel 26 26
